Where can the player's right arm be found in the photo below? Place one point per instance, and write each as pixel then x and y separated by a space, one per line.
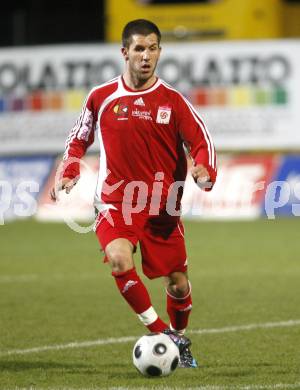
pixel 79 139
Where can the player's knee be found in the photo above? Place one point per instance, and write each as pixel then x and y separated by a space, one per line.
pixel 119 255
pixel 181 290
pixel 120 261
pixel 178 284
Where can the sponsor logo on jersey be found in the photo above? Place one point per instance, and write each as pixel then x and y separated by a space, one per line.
pixel 139 102
pixel 121 110
pixel 146 115
pixel 163 115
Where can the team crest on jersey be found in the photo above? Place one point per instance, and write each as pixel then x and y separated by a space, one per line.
pixel 163 114
pixel 121 110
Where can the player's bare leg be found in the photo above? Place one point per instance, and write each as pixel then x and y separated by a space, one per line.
pixel 119 253
pixel 178 284
pixel 120 257
pixel 179 305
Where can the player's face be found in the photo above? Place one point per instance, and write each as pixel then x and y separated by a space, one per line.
pixel 142 56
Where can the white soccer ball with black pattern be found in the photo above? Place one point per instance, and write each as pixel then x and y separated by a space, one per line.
pixel 155 354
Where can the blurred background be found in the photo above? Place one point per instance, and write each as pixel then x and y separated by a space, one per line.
pixel 237 61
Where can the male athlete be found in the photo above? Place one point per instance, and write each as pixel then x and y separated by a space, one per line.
pixel 145 128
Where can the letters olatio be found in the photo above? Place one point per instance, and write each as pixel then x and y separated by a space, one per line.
pixel 49 76
pixel 231 70
pixel 234 68
pixel 62 69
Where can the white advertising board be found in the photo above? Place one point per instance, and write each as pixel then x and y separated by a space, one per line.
pixel 247 92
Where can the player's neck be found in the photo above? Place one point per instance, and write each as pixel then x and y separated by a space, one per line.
pixel 136 84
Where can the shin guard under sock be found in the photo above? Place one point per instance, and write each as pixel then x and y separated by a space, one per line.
pixel 135 293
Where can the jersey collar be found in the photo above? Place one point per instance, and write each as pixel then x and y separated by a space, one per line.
pixel 152 87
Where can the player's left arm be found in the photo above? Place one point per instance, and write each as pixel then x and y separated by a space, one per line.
pixel 199 143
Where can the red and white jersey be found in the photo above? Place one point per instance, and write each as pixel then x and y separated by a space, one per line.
pixel 142 135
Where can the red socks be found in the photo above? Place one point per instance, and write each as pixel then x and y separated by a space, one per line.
pixel 179 310
pixel 136 294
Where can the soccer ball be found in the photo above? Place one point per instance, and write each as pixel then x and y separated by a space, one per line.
pixel 155 354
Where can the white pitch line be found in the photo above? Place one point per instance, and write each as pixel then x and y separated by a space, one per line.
pixel 18 278
pixel 75 344
pixel 204 387
pixel 120 340
pixel 209 387
pixel 266 325
pixel 220 387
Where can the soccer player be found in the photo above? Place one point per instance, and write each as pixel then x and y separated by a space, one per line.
pixel 144 127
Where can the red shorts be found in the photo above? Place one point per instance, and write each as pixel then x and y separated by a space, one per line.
pixel 161 239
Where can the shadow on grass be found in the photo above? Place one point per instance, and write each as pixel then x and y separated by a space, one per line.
pixel 36 365
pixel 109 371
pixel 70 368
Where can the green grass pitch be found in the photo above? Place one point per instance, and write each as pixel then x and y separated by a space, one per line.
pixel 54 290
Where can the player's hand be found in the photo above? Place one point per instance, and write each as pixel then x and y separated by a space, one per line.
pixel 65 184
pixel 201 176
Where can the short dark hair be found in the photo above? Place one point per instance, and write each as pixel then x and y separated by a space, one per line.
pixel 139 26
